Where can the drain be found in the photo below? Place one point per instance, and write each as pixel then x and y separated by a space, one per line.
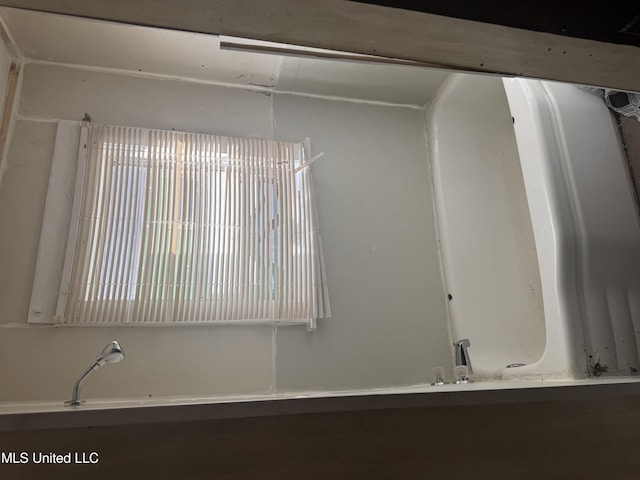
pixel 516 365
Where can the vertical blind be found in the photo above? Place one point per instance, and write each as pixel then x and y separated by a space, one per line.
pixel 192 228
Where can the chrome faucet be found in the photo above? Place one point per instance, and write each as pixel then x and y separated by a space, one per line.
pixel 462 355
pixel 112 353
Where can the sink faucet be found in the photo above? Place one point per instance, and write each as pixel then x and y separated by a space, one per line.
pixel 462 355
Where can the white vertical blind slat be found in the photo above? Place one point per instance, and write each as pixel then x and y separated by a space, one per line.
pixel 124 270
pixel 209 188
pixel 163 193
pixel 151 233
pixel 194 231
pixel 196 241
pixel 218 230
pixel 144 232
pixel 105 261
pixel 180 246
pixel 166 262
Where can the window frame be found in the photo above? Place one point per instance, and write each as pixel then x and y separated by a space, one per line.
pixel 57 317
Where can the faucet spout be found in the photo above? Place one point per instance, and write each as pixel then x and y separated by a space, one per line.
pixel 112 353
pixel 462 354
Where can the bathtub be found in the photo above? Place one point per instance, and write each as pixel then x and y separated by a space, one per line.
pixel 539 233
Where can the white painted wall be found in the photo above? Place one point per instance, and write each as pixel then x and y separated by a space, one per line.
pixel 389 325
pixel 73 40
pixel 67 93
pixel 378 232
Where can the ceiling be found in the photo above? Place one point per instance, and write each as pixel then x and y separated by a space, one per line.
pixel 152 51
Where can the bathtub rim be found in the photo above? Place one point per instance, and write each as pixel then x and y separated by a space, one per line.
pixel 111 412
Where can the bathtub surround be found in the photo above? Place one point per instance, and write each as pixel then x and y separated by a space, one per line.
pixel 589 225
pixel 541 244
pixel 580 428
pixel 372 187
pixel 376 207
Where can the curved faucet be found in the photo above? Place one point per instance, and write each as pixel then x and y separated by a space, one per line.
pixel 112 353
pixel 462 355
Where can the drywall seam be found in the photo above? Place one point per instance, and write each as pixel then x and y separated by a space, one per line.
pixel 378 103
pixel 278 71
pixel 272 111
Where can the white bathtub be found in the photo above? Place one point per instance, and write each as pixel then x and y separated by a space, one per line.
pixel 539 234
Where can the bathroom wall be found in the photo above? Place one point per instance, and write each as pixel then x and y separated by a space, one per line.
pixel 378 231
pixel 376 214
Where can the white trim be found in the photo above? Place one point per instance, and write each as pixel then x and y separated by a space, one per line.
pixel 74 224
pixel 217 323
pixel 55 225
pixel 40 119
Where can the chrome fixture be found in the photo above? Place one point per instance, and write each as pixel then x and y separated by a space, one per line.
pixel 461 374
pixel 462 355
pixel 516 365
pixel 438 373
pixel 112 353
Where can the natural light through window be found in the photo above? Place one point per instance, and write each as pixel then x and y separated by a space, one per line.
pixel 191 228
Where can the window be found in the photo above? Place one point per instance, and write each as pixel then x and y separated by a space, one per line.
pixel 175 227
